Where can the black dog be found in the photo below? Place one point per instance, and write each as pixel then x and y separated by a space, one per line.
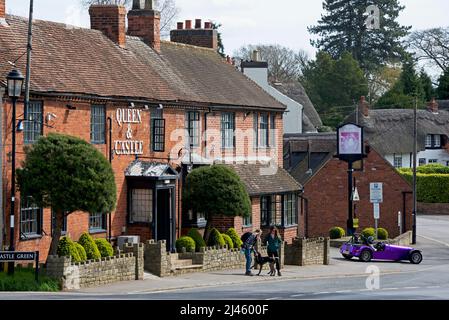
pixel 263 260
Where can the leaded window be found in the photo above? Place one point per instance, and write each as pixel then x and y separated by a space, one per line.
pixel 264 130
pixel 141 205
pixel 30 217
pixel 290 212
pixel 193 128
pixel 97 222
pixel 227 129
pixel 272 130
pixel 397 161
pixel 33 124
pixel 97 124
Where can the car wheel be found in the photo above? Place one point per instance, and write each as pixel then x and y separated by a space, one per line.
pixel 415 257
pixel 347 256
pixel 366 256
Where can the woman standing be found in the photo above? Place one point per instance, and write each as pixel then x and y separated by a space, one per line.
pixel 274 242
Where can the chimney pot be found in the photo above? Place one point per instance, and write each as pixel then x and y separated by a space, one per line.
pixel 180 25
pixel 188 24
pixel 207 25
pixel 433 106
pixel 197 23
pixel 228 59
pixel 255 57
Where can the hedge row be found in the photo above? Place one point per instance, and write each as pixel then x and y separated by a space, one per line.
pixel 431 188
pixel 428 169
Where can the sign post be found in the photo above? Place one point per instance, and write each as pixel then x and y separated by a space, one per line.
pixel 376 197
pixel 12 256
pixel 350 150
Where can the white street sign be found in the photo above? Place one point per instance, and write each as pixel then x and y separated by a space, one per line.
pixel 376 194
pixel 355 195
pixel 376 207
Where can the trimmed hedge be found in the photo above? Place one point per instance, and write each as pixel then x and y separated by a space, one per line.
pixel 431 188
pixel 228 241
pixel 81 251
pixel 90 246
pixel 104 247
pixel 197 237
pixel 428 169
pixel 369 232
pixel 382 234
pixel 185 242
pixel 67 248
pixel 216 239
pixel 234 237
pixel 337 233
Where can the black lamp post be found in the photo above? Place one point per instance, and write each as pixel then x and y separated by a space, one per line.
pixel 15 83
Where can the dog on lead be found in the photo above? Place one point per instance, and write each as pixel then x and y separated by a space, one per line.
pixel 261 261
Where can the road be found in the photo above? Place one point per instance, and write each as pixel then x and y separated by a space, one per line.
pixel 429 280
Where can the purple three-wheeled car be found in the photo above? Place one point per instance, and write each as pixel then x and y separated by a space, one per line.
pixel 365 249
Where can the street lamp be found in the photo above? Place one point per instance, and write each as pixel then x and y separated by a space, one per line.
pixel 15 83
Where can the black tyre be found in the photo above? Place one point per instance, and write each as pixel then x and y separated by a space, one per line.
pixel 415 257
pixel 366 255
pixel 348 256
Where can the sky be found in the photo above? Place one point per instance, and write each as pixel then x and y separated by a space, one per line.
pixel 243 22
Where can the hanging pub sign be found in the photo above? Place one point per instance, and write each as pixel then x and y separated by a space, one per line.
pixel 129 146
pixel 350 142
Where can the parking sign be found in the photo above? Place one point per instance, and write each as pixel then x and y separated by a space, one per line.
pixel 376 195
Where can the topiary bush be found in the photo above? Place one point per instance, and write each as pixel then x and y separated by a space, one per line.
pixel 216 239
pixel 197 237
pixel 89 245
pixel 337 233
pixel 104 247
pixel 369 232
pixel 228 240
pixel 185 242
pixel 234 237
pixel 382 234
pixel 81 251
pixel 67 248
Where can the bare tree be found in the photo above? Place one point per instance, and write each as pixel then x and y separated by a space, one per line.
pixel 169 11
pixel 283 63
pixel 431 45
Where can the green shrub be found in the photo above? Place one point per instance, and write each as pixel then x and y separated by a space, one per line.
pixel 369 232
pixel 428 169
pixel 23 280
pixel 89 245
pixel 337 233
pixel 81 251
pixel 197 237
pixel 216 239
pixel 185 242
pixel 431 188
pixel 237 242
pixel 382 234
pixel 67 248
pixel 228 240
pixel 104 247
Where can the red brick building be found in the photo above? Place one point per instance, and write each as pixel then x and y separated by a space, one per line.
pixel 310 160
pixel 157 107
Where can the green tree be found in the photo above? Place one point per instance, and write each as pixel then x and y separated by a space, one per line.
pixel 216 190
pixel 443 85
pixel 216 26
pixel 67 174
pixel 426 84
pixel 334 86
pixel 343 28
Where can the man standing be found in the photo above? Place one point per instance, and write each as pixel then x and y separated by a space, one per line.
pixel 250 240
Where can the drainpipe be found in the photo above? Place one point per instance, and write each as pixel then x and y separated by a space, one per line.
pixel 205 131
pixel 110 161
pixel 2 91
pixel 305 209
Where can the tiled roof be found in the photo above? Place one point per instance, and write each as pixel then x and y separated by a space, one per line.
pixel 146 169
pixel 260 179
pixel 84 61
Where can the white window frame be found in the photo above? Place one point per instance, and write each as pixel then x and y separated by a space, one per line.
pixel 429 141
pixel 397 161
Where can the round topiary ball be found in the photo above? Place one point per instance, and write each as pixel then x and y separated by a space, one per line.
pixel 81 252
pixel 382 234
pixel 215 239
pixel 89 245
pixel 234 237
pixel 197 237
pixel 228 240
pixel 67 248
pixel 104 247
pixel 336 233
pixel 185 242
pixel 369 232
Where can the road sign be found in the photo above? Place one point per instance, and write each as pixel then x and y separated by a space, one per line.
pixel 376 210
pixel 355 195
pixel 376 192
pixel 21 256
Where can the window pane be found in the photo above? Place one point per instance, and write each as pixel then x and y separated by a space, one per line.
pixel 158 138
pixel 193 128
pixel 256 130
pixel 30 217
pixel 33 124
pixel 429 141
pixel 437 141
pixel 141 205
pixel 264 130
pixel 273 130
pixel 227 129
pixel 97 221
pixel 97 124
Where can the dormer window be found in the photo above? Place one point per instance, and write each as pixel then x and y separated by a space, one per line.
pixel 433 141
pixel 429 141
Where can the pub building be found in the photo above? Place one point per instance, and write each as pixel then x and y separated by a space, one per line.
pixel 156 109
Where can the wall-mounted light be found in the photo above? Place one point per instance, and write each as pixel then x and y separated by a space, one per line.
pixel 146 107
pixel 246 115
pixel 132 105
pixel 160 107
pixel 20 126
pixel 50 117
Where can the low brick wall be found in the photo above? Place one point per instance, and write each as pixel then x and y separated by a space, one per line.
pixel 122 267
pixel 433 208
pixel 304 252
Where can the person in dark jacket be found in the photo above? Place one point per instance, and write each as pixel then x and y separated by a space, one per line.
pixel 250 245
pixel 273 242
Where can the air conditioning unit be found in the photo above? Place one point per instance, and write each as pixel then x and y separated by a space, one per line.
pixel 121 240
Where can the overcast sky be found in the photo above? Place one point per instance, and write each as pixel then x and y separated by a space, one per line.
pixel 283 22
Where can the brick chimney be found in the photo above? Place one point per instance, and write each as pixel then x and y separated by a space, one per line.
pixel 364 106
pixel 433 106
pixel 145 22
pixel 109 19
pixel 2 11
pixel 202 37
